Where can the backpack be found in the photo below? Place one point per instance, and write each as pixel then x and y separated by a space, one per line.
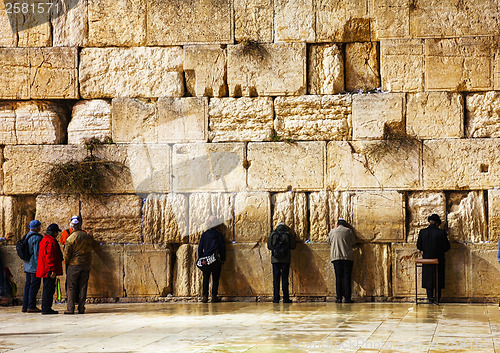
pixel 280 248
pixel 23 249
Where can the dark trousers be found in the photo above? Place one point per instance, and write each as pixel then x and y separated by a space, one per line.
pixel 214 270
pixel 31 288
pixel 431 293
pixel 77 279
pixel 343 271
pixel 280 272
pixel 49 288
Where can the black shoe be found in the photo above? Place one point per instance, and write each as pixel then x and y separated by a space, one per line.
pixel 349 301
pixel 24 310
pixel 81 311
pixel 338 300
pixel 50 312
pixel 216 299
pixel 34 310
pixel 204 299
pixel 69 312
pixel 288 301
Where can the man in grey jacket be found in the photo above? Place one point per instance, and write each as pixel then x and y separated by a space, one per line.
pixel 32 281
pixel 341 240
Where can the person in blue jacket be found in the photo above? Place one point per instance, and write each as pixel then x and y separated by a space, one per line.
pixel 32 281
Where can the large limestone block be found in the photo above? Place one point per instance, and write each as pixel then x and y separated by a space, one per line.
pixel 483 272
pixel 379 216
pixel 467 217
pixel 435 115
pixel 113 218
pixel 209 167
pixel 459 64
pixel 134 121
pixel 8 25
pixel 252 217
pixel 204 205
pixel 187 278
pixel 182 119
pixel 185 22
pixel 291 208
pixel 313 117
pixel 282 166
pixel 319 216
pixel 482 116
pixel 342 21
pixel 131 72
pixel 374 115
pixel 493 215
pixel 11 260
pixel 402 65
pixel 433 18
pixel 205 70
pixel 56 208
pixel 16 213
pixel 117 23
pixel 90 119
pixel 165 219
pixel 247 271
pixel 371 270
pixel 340 206
pixel 147 271
pixel 70 24
pixel 374 164
pixel 461 164
pixel 266 69
pixel 14 73
pixel 106 273
pixel 241 119
pixel 31 22
pixel 362 68
pixel 390 19
pixel 253 20
pixel 312 272
pixel 420 205
pixel 32 123
pixel 325 69
pixel 294 21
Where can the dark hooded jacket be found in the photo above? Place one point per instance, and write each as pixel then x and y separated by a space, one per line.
pixel 289 239
pixel 212 241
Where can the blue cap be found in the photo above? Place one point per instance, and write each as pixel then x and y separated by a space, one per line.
pixel 34 224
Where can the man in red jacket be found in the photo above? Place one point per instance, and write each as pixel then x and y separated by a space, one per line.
pixel 49 266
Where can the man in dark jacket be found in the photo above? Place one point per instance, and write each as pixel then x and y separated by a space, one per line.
pixel 433 242
pixel 32 281
pixel 212 242
pixel 280 242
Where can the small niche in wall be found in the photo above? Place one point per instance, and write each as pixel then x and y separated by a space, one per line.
pixel 483 168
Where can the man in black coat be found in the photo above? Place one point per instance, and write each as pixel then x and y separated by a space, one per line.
pixel 433 242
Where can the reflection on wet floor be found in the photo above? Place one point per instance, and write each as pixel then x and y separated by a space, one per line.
pixel 256 327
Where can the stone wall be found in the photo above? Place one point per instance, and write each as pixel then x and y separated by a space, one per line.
pixel 256 112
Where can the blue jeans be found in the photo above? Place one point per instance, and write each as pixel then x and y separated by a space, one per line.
pixel 30 291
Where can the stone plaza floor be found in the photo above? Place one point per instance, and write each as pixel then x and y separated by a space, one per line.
pixel 255 327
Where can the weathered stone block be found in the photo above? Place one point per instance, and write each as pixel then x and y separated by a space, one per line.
pixel 421 204
pixel 182 119
pixel 14 73
pixel 205 69
pixel 32 26
pixel 70 23
pixel 131 72
pixel 342 21
pixel 374 164
pixel 493 215
pixel 165 219
pixel 187 277
pixel 266 69
pixel 8 26
pixel 117 23
pixel 252 217
pixel 313 117
pixel 340 206
pixel 402 65
pixel 291 208
pixel 482 115
pixel 204 205
pixel 435 115
pixel 16 213
pixel 311 271
pixel 67 206
pixel 303 168
pixel 390 19
pixel 459 64
pixel 106 273
pixel 374 115
pixel 209 167
pixel 241 119
pixel 16 267
pixel 294 21
pixel 253 20
pixel 362 68
pixel 483 272
pixel 146 271
pixel 185 22
pixel 379 216
pixel 467 217
pixel 247 271
pixel 90 119
pixel 319 216
pixel 376 282
pixel 113 218
pixel 134 121
pixel 326 69
pixel 461 164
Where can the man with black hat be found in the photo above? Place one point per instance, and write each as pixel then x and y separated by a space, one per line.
pixel 32 282
pixel 433 242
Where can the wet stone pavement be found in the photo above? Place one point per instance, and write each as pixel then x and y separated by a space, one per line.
pixel 256 327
